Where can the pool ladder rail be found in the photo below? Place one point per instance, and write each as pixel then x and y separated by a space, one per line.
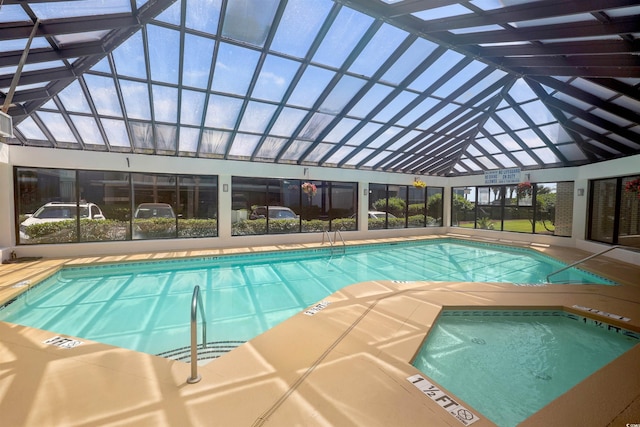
pixel 580 261
pixel 196 301
pixel 336 233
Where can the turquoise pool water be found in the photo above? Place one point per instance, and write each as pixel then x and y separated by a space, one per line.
pixel 145 306
pixel 509 364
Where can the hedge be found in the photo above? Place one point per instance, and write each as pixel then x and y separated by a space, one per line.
pixel 108 230
pixel 286 226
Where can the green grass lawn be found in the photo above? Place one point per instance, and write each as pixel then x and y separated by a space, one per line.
pixel 517 225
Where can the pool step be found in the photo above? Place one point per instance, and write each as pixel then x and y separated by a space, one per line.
pixel 213 350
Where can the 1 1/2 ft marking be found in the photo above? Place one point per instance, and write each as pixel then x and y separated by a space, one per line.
pixel 445 401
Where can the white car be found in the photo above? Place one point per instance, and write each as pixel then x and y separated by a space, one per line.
pixel 60 211
pixel 146 212
pixel 275 212
pixel 154 210
pixel 380 214
pixel 377 215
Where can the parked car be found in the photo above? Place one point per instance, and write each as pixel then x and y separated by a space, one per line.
pixel 154 210
pixel 380 214
pixel 275 212
pixel 377 215
pixel 145 228
pixel 60 211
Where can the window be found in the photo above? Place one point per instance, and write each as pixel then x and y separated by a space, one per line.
pixel 154 201
pixel 540 208
pixel 46 206
pixel 197 206
pixel 434 206
pixel 66 206
pixel 401 206
pixel 278 206
pixel 344 202
pixel 110 193
pixel 614 211
pixel 463 207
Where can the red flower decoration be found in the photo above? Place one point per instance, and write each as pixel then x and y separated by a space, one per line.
pixel 309 189
pixel 525 189
pixel 633 187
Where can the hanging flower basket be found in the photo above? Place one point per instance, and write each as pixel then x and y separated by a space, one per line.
pixel 524 190
pixel 309 189
pixel 633 187
pixel 418 183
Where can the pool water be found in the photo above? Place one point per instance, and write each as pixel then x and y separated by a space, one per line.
pixel 509 364
pixel 146 306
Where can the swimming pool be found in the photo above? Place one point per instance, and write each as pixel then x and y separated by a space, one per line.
pixel 145 306
pixel 509 364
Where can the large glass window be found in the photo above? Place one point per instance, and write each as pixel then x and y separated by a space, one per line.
pixel 197 206
pixel 47 208
pixel 401 206
pixel 512 208
pixel 109 193
pixel 397 206
pixel 379 207
pixel 314 205
pixel 489 207
pixel 248 203
pixel 463 207
pixel 629 227
pixel 64 206
pixel 154 198
pixel 344 202
pixel 434 206
pixel 603 210
pixel 614 211
pixel 417 207
pixel 518 210
pixel 554 208
pixel 273 206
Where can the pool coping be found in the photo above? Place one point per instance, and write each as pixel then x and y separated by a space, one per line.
pixel 348 367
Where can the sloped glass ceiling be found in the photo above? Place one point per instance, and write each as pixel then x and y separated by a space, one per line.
pixel 413 86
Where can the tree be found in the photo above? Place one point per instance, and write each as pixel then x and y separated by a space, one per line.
pixel 546 208
pixel 434 205
pixel 460 207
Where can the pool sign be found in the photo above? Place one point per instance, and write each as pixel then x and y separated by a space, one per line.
pixel 316 308
pixel 602 313
pixel 502 176
pixel 445 401
pixel 62 342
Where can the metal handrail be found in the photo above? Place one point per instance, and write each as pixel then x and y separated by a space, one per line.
pixel 583 260
pixel 326 233
pixel 344 245
pixel 196 300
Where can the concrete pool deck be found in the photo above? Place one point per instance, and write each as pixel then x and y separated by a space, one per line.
pixel 347 365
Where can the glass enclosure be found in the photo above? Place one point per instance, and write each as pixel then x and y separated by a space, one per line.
pixel 402 206
pixel 65 206
pixel 540 208
pixel 614 211
pixel 277 206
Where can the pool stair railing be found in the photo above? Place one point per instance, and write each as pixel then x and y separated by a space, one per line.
pixel 196 301
pixel 580 261
pixel 334 248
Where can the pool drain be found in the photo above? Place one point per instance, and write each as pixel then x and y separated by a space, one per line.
pixel 478 341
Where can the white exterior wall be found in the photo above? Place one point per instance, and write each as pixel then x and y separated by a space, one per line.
pixel 11 156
